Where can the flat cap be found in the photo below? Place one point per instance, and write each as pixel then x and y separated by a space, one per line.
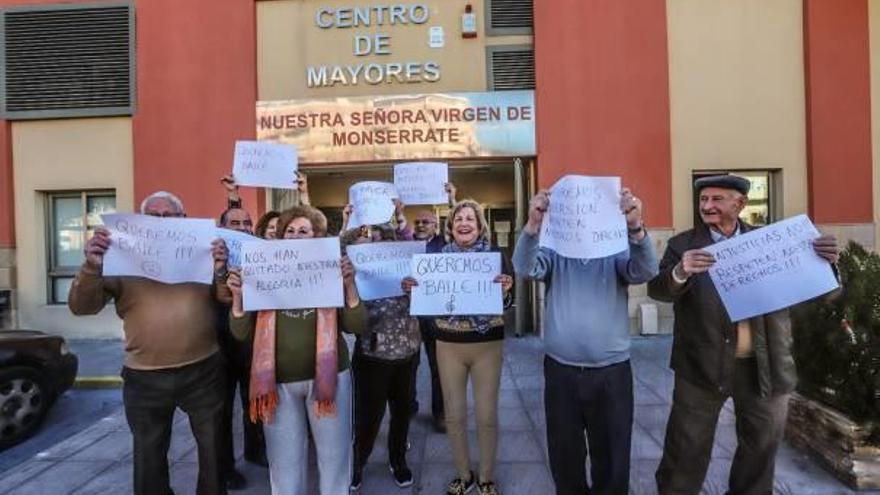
pixel 734 182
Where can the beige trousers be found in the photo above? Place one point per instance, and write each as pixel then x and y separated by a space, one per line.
pixel 482 362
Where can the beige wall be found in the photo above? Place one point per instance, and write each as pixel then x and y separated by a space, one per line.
pixel 63 155
pixel 288 41
pixel 736 76
pixel 874 27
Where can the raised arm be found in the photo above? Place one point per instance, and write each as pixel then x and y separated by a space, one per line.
pixel 90 291
pixel 639 264
pixel 529 260
pixel 233 199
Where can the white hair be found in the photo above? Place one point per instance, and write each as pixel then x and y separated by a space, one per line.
pixel 162 195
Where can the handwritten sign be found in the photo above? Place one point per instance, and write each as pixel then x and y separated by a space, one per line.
pixel 234 240
pixel 262 164
pixel 456 284
pixel 584 218
pixel 380 266
pixel 169 250
pixel 372 202
pixel 422 183
pixel 291 274
pixel 770 268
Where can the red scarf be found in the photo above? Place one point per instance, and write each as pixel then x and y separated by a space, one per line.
pixel 263 392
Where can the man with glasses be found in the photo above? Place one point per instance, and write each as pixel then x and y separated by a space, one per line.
pixel 238 369
pixel 171 357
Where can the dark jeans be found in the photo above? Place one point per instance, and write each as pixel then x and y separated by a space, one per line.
pixel 377 383
pixel 150 398
pixel 238 375
pixel 429 339
pixel 690 432
pixel 596 403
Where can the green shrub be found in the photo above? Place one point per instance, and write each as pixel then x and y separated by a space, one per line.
pixel 837 343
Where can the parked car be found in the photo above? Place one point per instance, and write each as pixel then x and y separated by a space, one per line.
pixel 35 368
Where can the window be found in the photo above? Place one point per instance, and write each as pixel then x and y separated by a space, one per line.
pixel 72 217
pixel 509 17
pixel 761 209
pixel 67 60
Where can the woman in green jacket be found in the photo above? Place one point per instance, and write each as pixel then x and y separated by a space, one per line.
pixel 300 377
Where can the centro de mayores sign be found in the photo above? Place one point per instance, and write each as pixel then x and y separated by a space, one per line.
pixel 362 20
pixel 397 127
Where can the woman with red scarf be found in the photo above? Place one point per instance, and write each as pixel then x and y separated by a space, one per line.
pixel 300 374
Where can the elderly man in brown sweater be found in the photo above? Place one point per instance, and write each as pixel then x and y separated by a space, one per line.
pixel 171 357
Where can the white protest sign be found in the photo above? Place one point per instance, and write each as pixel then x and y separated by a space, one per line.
pixel 234 239
pixel 380 266
pixel 169 250
pixel 291 274
pixel 422 183
pixel 770 268
pixel 584 218
pixel 263 164
pixel 456 284
pixel 372 203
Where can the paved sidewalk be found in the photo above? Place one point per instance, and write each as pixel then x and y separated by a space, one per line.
pixel 98 460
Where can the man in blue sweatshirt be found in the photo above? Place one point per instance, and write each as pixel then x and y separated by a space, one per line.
pixel 588 388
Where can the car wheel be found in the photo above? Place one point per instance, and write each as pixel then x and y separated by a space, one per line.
pixel 23 404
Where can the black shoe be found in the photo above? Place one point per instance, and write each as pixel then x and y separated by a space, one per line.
pixel 235 481
pixel 401 473
pixel 357 476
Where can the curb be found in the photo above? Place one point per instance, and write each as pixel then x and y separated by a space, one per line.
pixel 97 382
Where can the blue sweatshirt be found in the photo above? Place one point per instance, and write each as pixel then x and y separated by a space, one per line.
pixel 586 317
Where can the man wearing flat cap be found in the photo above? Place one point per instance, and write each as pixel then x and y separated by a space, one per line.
pixel 715 359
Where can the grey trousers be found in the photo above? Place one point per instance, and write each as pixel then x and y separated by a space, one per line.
pixel 690 432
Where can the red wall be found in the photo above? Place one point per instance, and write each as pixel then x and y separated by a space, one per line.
pixel 196 73
pixel 7 197
pixel 602 100
pixel 838 94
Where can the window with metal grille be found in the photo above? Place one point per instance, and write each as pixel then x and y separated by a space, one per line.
pixel 511 67
pixel 506 17
pixel 71 220
pixel 67 60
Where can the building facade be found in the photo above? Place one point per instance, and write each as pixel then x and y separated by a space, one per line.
pixel 107 101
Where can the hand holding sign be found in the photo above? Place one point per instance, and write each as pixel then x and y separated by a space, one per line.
pixel 372 203
pixel 422 183
pixel 537 209
pixel 96 247
pixel 584 218
pixel 264 164
pixel 233 240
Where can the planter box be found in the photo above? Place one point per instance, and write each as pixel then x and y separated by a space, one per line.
pixel 835 440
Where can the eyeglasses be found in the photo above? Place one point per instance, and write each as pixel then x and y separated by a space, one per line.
pixel 165 214
pixel 423 222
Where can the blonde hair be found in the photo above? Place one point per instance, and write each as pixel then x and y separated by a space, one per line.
pixel 478 212
pixel 313 215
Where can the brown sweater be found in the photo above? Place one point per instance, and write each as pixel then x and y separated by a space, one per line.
pixel 166 326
